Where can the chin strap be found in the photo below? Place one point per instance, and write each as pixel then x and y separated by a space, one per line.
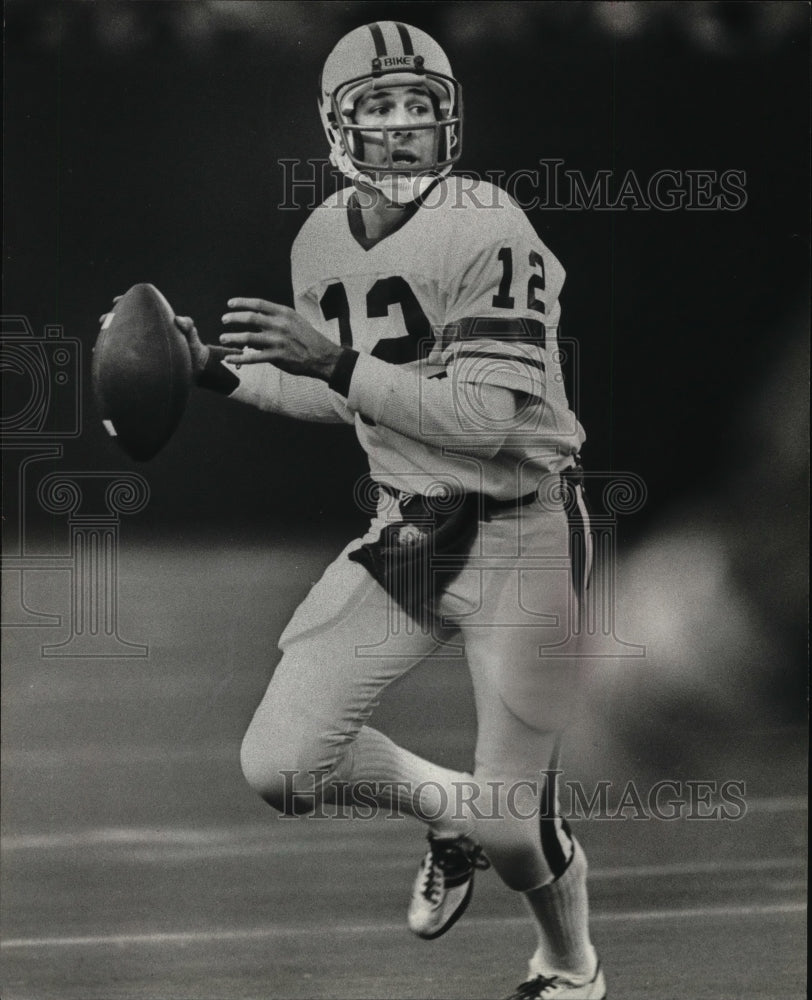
pixel 397 190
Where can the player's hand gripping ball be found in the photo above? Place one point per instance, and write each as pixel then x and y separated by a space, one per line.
pixel 142 372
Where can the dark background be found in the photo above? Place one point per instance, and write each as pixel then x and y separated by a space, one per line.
pixel 142 144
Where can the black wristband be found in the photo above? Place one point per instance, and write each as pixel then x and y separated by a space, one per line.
pixel 215 375
pixel 340 380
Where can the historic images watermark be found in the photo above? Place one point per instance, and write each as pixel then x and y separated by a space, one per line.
pixel 42 408
pixel 315 794
pixel 549 186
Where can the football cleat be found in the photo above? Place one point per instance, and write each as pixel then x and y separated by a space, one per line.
pixel 560 988
pixel 444 884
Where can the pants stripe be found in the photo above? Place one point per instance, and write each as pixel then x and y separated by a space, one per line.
pixel 588 547
pixel 580 538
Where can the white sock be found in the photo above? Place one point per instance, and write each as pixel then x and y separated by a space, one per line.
pixel 421 789
pixel 560 910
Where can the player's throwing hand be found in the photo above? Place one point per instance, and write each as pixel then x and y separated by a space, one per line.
pixel 284 339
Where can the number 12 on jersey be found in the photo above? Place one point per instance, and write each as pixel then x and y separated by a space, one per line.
pixel 503 299
pixel 415 343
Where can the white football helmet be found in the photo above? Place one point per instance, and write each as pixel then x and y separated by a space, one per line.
pixel 389 53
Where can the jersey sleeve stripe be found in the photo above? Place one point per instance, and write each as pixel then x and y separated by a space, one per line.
pixel 520 330
pixel 520 371
pixel 507 350
pixel 499 356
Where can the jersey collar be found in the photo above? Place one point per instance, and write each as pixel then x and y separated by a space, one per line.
pixel 356 222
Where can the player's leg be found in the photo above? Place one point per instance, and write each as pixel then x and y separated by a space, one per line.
pixel 525 699
pixel 518 820
pixel 308 742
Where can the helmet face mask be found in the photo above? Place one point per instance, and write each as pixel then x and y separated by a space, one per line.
pixel 446 131
pixel 423 65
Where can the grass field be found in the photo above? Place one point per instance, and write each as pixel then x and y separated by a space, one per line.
pixel 137 863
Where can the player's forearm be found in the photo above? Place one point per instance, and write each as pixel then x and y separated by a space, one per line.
pixel 442 413
pixel 267 388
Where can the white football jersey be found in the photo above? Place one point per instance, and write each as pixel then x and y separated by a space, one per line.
pixel 464 288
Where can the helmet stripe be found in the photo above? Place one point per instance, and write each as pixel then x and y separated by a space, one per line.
pixel 405 39
pixel 377 38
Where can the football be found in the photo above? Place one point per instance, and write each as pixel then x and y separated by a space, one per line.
pixel 141 372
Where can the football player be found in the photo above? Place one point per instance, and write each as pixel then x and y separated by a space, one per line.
pixel 426 315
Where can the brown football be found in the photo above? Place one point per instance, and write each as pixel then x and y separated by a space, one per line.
pixel 142 372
